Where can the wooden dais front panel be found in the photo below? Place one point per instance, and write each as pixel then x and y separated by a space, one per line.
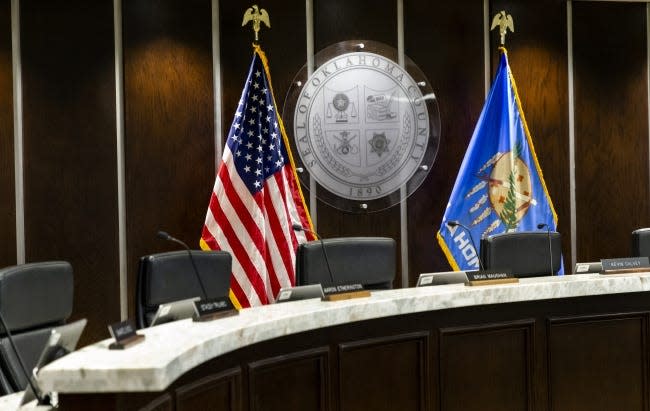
pixel 586 353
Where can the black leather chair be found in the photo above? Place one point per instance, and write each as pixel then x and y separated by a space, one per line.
pixel 34 298
pixel 524 253
pixel 168 277
pixel 366 260
pixel 641 242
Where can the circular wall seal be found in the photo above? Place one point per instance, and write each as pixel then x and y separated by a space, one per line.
pixel 363 127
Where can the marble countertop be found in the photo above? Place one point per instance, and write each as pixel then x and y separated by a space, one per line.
pixel 172 349
pixel 11 402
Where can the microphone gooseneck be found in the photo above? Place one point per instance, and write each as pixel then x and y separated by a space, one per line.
pixel 298 227
pixel 41 400
pixel 550 249
pixel 456 223
pixel 165 236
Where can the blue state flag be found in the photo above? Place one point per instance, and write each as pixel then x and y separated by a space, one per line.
pixel 500 186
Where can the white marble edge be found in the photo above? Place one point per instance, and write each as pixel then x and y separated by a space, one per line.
pixel 11 402
pixel 172 349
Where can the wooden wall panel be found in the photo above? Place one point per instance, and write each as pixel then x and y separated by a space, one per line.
pixel 598 363
pixel 298 381
pixel 368 376
pixel 487 365
pixel 340 20
pixel 537 53
pixel 169 126
pixel 70 149
pixel 611 127
pixel 450 53
pixel 218 392
pixel 7 187
pixel 163 403
pixel 336 21
pixel 284 45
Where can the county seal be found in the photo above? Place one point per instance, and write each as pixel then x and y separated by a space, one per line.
pixel 361 126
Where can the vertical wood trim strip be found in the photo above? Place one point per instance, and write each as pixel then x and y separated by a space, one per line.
pixel 309 34
pixel 572 143
pixel 403 205
pixel 18 131
pixel 216 80
pixel 486 44
pixel 647 63
pixel 119 137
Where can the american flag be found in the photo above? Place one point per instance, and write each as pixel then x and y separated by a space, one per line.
pixel 256 197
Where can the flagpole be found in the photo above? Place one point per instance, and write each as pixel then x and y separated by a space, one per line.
pixel 403 192
pixel 309 17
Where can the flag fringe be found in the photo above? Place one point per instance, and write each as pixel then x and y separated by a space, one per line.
pixel 445 250
pixel 260 52
pixel 529 138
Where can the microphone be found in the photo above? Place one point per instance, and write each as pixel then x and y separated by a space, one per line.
pixel 550 250
pixel 299 227
pixel 42 400
pixel 456 223
pixel 165 236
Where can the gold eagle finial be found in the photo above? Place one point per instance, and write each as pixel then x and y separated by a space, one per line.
pixel 504 22
pixel 257 15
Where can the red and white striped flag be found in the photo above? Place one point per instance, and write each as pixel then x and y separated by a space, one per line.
pixel 256 197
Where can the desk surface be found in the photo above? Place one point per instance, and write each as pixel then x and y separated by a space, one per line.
pixel 172 349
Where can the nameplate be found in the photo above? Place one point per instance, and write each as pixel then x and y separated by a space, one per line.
pixel 625 265
pixel 213 308
pixel 344 292
pixel 124 335
pixel 475 278
pixel 300 292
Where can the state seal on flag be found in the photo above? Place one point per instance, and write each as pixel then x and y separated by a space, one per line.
pixel 363 129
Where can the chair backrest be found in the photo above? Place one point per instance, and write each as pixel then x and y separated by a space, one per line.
pixel 168 277
pixel 366 260
pixel 34 298
pixel 641 242
pixel 524 253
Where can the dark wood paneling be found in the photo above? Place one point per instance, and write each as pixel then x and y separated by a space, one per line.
pixel 7 187
pixel 487 365
pixel 537 53
pixel 598 363
pixel 611 127
pixel 163 403
pixel 284 45
pixel 70 149
pixel 169 126
pixel 384 373
pixel 340 20
pixel 450 53
pixel 216 392
pixel 298 381
pixel 336 21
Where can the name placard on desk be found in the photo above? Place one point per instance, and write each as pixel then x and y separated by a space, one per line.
pixel 344 292
pixel 625 265
pixel 213 308
pixel 489 277
pixel 124 335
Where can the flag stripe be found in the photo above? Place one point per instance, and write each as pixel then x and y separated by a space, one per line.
pixel 256 198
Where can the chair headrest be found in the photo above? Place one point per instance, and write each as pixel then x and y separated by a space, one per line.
pixel 170 276
pixel 525 253
pixel 36 294
pixel 641 242
pixel 370 261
